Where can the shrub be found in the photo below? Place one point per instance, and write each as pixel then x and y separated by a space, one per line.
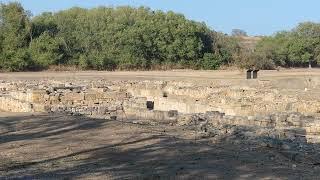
pixel 210 61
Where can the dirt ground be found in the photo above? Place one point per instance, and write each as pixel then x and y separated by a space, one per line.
pixel 74 147
pixel 160 75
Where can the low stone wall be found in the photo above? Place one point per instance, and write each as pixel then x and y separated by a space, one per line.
pixel 286 113
pixel 7 103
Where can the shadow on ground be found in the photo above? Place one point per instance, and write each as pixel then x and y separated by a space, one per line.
pixel 132 152
pixel 30 127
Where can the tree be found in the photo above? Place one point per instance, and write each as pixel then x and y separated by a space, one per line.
pixel 15 37
pixel 107 38
pixel 46 50
pixel 292 48
pixel 238 32
pixel 211 61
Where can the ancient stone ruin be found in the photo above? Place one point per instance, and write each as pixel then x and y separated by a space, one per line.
pixel 281 115
pixel 284 114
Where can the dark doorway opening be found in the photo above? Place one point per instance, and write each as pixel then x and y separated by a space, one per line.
pixel 150 105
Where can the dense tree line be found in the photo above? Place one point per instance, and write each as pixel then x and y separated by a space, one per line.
pixel 107 38
pixel 295 48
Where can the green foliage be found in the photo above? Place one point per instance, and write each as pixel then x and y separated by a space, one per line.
pixel 211 61
pixel 45 50
pixel 128 38
pixel 96 61
pixel 108 38
pixel 15 37
pixel 17 60
pixel 227 47
pixel 293 48
pixel 138 38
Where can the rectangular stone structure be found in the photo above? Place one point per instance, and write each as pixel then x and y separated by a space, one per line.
pixel 249 74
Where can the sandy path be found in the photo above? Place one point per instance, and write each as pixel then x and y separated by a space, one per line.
pixel 159 75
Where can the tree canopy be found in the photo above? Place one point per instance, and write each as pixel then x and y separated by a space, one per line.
pixel 107 38
pixel 293 48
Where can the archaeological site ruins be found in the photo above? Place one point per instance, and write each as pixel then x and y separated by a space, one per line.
pixel 272 112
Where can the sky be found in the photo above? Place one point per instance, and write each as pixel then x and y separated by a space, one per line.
pixel 256 17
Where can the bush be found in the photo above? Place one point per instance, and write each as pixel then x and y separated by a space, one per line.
pixel 18 60
pixel 210 61
pixel 263 63
pixel 45 51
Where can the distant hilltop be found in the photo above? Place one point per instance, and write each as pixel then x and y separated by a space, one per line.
pixel 249 42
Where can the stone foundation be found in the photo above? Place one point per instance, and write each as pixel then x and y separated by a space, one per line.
pixel 279 113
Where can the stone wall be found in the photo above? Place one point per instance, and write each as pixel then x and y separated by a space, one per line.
pixel 7 103
pixel 232 100
pixel 184 97
pixel 283 113
pixel 292 126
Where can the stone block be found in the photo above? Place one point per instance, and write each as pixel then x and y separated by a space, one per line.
pixel 173 113
pixel 257 123
pixel 94 96
pixel 293 117
pixel 281 117
pixel 7 103
pixel 72 97
pixel 102 110
pixel 296 131
pixel 40 108
pixel 36 96
pixel 214 115
pixel 112 108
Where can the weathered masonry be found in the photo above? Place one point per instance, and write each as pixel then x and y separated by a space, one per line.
pixel 283 113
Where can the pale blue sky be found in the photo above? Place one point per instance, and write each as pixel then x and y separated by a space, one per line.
pixel 257 17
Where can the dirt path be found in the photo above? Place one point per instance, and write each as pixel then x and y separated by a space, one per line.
pixel 58 146
pixel 159 75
